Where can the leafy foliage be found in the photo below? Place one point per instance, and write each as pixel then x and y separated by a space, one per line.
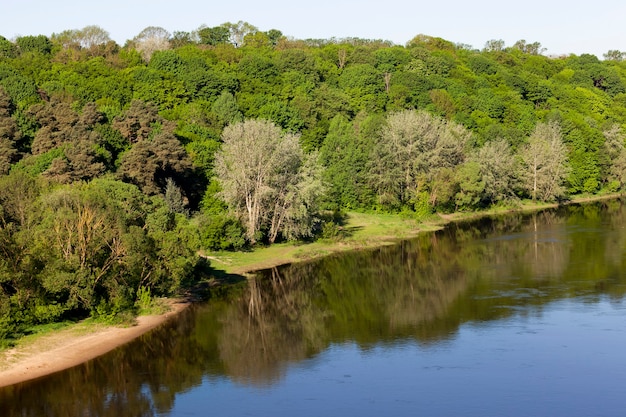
pixel 118 163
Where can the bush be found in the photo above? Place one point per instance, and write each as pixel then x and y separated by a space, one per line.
pixel 147 304
pixel 421 206
pixel 332 231
pixel 221 232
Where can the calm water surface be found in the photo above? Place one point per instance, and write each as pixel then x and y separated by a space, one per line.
pixel 516 316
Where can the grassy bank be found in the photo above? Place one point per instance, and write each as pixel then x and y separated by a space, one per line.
pixel 363 230
pixel 360 230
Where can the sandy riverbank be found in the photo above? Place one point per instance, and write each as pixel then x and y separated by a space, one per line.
pixel 66 348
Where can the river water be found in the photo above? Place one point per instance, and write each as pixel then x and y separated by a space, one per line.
pixel 521 315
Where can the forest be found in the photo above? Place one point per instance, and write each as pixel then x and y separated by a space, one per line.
pixel 120 165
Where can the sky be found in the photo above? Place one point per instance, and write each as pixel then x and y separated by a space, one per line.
pixel 561 27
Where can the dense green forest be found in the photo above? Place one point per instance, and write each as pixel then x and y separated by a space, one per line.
pixel 119 164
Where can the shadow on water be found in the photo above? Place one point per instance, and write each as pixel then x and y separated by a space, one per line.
pixel 421 290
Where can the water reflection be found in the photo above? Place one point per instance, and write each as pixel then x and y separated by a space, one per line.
pixel 420 292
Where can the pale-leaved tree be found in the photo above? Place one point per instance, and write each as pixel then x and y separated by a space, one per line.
pixel 498 169
pixel 615 151
pixel 267 181
pixel 415 149
pixel 544 163
pixel 150 40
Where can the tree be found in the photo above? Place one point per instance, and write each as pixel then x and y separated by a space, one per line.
pixel 274 35
pixel 544 163
pixel 529 48
pixel 366 87
pixel 81 156
pixel 150 40
pixel 615 151
pixel 260 169
pixel 80 244
pixel 414 148
pixel 9 133
pixel 93 36
pixel 90 38
pixel 138 121
pixel 238 31
pixel 21 89
pixel 181 38
pixel 7 48
pixel 81 161
pixel 214 36
pixel 226 109
pixel 18 192
pixel 345 155
pixel 151 162
pixel 57 120
pixel 498 168
pixel 471 185
pixel 494 45
pixel 39 44
pixel 614 55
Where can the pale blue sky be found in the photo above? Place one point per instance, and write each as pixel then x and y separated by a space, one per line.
pixel 560 26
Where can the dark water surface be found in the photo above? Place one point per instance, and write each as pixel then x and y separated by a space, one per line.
pixel 523 315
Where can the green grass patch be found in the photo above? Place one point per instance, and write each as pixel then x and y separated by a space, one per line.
pixel 359 230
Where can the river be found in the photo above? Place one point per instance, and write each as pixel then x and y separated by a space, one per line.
pixel 519 315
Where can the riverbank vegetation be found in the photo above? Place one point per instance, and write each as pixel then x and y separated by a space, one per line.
pixel 124 169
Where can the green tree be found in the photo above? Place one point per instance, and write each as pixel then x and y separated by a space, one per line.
pixel 7 48
pixel 345 154
pixel 471 186
pixel 365 85
pixel 533 48
pixel 614 55
pixel 77 240
pixel 214 35
pixel 274 36
pixel 38 44
pixel 227 109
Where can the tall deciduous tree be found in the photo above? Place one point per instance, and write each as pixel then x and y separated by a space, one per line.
pixel 239 30
pixel 615 151
pixel 89 37
pixel 265 179
pixel 498 169
pixel 214 35
pixel 151 162
pixel 544 160
pixel 614 55
pixel 413 150
pixel 150 40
